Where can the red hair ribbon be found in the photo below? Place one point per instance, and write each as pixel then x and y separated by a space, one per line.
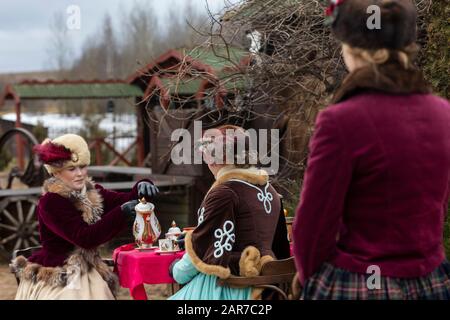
pixel 331 11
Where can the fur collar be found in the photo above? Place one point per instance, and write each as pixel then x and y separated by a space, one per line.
pixel 251 175
pixel 88 201
pixel 389 77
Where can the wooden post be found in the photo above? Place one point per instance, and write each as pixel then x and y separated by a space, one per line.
pixel 19 141
pixel 140 133
pixel 98 152
pixel 154 140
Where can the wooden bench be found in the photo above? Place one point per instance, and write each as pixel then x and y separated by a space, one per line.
pixel 275 278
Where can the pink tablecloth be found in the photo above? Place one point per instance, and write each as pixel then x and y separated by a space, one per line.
pixel 135 268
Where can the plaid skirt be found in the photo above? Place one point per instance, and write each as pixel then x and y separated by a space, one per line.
pixel 332 283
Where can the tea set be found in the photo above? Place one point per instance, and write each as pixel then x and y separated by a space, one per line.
pixel 146 230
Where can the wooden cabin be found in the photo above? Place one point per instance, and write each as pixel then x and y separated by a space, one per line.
pixel 172 92
pixel 180 87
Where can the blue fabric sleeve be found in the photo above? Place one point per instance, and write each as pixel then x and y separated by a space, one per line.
pixel 183 271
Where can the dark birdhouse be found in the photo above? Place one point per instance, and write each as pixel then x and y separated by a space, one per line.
pixel 110 106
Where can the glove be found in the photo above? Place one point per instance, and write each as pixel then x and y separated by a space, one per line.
pixel 180 241
pixel 128 207
pixel 171 267
pixel 147 190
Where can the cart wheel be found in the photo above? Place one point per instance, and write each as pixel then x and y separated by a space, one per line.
pixel 18 224
pixel 34 173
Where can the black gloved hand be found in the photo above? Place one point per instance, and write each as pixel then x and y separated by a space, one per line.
pixel 147 190
pixel 180 241
pixel 171 267
pixel 128 207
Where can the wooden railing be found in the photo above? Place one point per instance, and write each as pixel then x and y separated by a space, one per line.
pixel 97 145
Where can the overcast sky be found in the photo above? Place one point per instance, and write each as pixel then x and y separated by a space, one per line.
pixel 25 25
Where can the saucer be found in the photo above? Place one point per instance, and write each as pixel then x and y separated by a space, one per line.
pixel 167 252
pixel 147 249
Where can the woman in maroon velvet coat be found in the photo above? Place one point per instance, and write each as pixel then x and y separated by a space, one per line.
pixel 75 217
pixel 371 214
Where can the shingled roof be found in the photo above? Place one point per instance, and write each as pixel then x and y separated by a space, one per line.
pixel 64 89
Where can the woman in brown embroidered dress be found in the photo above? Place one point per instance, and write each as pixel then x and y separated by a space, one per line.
pixel 241 223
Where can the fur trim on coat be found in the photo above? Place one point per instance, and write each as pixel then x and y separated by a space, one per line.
pixel 201 266
pixel 250 262
pixel 251 175
pixel 389 77
pixel 90 203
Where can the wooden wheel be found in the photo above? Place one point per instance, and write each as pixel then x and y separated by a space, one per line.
pixel 34 173
pixel 18 224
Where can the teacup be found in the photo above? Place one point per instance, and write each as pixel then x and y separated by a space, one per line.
pixel 172 236
pixel 166 245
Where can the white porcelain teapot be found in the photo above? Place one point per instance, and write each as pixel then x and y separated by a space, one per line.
pixel 146 227
pixel 173 232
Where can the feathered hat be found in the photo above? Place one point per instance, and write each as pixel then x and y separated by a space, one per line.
pixel 63 152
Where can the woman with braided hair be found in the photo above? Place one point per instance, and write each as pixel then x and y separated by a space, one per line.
pixel 370 219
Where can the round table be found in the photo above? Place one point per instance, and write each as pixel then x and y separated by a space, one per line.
pixel 136 268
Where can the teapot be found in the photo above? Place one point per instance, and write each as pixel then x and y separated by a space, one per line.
pixel 173 232
pixel 146 227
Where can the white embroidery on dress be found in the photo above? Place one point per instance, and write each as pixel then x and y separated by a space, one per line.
pixel 226 236
pixel 201 215
pixel 264 196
